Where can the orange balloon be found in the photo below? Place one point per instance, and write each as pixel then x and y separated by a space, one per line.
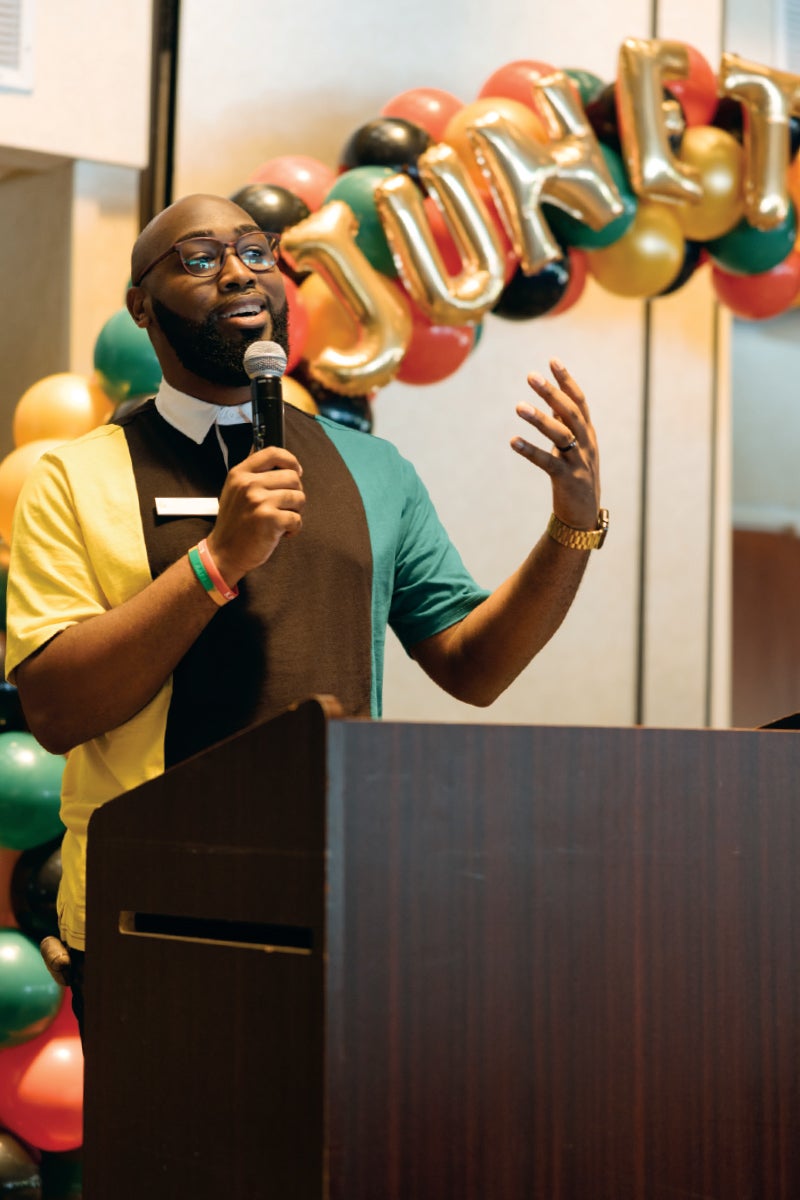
pixel 14 471
pixel 719 160
pixel 646 258
pixel 60 406
pixel 295 394
pixel 519 115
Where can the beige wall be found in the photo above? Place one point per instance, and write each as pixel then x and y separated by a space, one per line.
pixel 91 84
pixel 649 634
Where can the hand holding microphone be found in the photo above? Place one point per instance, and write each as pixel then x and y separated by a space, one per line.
pixel 265 363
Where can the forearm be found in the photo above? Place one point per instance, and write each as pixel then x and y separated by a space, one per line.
pixel 99 673
pixel 479 657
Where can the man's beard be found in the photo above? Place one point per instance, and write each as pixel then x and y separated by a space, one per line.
pixel 201 348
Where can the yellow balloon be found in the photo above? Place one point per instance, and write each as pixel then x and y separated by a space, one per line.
pixel 299 397
pixel 60 406
pixel 646 259
pixel 14 471
pixel 719 161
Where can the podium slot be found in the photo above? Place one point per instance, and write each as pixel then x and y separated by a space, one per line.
pixel 254 935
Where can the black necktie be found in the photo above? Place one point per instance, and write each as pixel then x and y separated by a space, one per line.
pixel 239 440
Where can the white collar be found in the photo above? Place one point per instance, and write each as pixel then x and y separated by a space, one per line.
pixel 193 417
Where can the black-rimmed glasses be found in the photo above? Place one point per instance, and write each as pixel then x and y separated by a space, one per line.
pixel 203 257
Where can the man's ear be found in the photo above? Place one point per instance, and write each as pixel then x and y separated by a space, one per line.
pixel 138 307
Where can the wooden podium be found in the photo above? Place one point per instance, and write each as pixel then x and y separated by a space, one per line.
pixel 344 960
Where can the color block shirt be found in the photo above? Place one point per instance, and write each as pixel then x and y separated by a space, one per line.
pixel 312 620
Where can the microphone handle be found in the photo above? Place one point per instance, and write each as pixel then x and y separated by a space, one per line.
pixel 267 396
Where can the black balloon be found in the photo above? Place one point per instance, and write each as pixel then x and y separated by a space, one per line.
pixel 19 1175
pixel 354 411
pixel 527 296
pixel 274 209
pixel 601 114
pixel 34 886
pixel 692 258
pixel 62 1174
pixel 729 116
pixel 385 142
pixel 12 718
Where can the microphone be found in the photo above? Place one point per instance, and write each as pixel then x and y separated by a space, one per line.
pixel 265 363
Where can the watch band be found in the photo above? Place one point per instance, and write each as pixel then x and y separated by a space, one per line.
pixel 579 539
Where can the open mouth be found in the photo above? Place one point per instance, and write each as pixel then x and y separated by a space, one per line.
pixel 247 314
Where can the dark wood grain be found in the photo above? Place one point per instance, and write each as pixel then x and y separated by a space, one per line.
pixel 557 964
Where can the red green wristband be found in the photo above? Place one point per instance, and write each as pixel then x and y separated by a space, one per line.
pixel 230 593
pixel 205 579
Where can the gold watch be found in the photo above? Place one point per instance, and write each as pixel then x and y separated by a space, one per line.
pixel 579 539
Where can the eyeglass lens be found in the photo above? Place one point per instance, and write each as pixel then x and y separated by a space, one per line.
pixel 205 256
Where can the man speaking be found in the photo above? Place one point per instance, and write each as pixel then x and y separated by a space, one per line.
pixel 170 585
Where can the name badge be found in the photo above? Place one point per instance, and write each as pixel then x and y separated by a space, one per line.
pixel 187 506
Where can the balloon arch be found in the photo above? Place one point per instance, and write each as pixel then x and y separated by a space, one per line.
pixel 437 214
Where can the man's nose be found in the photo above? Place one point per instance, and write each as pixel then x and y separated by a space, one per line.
pixel 234 272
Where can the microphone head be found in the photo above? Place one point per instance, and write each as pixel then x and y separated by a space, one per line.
pixel 264 359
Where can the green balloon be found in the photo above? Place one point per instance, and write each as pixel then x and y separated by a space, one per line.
pixel 570 232
pixel 30 792
pixel 749 251
pixel 588 85
pixel 125 359
pixel 29 996
pixel 356 189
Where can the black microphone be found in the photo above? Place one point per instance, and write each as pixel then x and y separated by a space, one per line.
pixel 265 363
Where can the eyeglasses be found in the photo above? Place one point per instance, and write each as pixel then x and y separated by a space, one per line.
pixel 204 257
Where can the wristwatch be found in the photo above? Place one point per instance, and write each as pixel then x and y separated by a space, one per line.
pixel 579 539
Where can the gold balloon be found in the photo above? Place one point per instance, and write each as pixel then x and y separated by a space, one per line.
pixel 325 243
pixel 569 171
pixel 299 397
pixel 654 171
pixel 330 323
pixel 14 470
pixel 719 161
pixel 60 406
pixel 518 116
pixel 646 259
pixel 445 299
pixel 770 98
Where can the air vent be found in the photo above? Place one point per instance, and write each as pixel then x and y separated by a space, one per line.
pixel 16 45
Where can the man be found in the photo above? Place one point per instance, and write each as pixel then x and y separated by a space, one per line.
pixel 136 639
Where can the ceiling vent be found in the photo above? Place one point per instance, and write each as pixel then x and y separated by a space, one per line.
pixel 16 45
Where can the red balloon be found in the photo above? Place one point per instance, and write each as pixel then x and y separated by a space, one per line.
pixel 758 297
pixel 41 1086
pixel 697 94
pixel 298 323
pixel 578 272
pixel 308 178
pixel 435 351
pixel 430 108
pixel 515 80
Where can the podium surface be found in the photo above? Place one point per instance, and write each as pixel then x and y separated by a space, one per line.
pixel 349 960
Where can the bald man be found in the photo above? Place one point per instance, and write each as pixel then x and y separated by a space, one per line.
pixel 137 638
